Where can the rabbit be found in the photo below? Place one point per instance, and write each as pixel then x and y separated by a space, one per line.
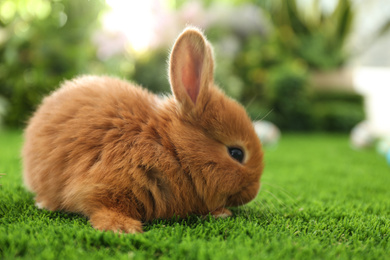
pixel 121 156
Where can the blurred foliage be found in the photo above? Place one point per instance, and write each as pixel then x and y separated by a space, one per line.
pixel 151 71
pixel 313 34
pixel 337 111
pixel 275 68
pixel 277 89
pixel 290 97
pixel 42 42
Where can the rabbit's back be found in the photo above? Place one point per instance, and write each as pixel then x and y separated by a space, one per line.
pixel 66 136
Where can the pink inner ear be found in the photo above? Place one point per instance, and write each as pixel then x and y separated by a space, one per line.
pixel 190 76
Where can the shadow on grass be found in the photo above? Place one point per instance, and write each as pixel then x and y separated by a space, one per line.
pixel 20 206
pixel 248 213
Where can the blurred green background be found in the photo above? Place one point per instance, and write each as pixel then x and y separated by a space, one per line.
pixel 266 53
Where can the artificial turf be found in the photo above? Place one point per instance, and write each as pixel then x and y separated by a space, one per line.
pixel 320 199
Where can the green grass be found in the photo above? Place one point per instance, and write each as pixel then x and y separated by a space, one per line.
pixel 320 199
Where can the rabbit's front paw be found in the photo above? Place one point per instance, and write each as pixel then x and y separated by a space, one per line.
pixel 108 220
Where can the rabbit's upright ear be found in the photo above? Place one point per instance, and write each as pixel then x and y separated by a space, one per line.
pixel 191 68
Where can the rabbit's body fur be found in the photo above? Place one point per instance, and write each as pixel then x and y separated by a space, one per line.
pixel 114 152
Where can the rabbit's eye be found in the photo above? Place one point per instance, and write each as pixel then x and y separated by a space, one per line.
pixel 236 153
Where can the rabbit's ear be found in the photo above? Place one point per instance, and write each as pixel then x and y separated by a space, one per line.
pixel 191 68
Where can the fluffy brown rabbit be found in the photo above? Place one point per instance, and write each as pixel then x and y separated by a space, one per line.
pixel 114 152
